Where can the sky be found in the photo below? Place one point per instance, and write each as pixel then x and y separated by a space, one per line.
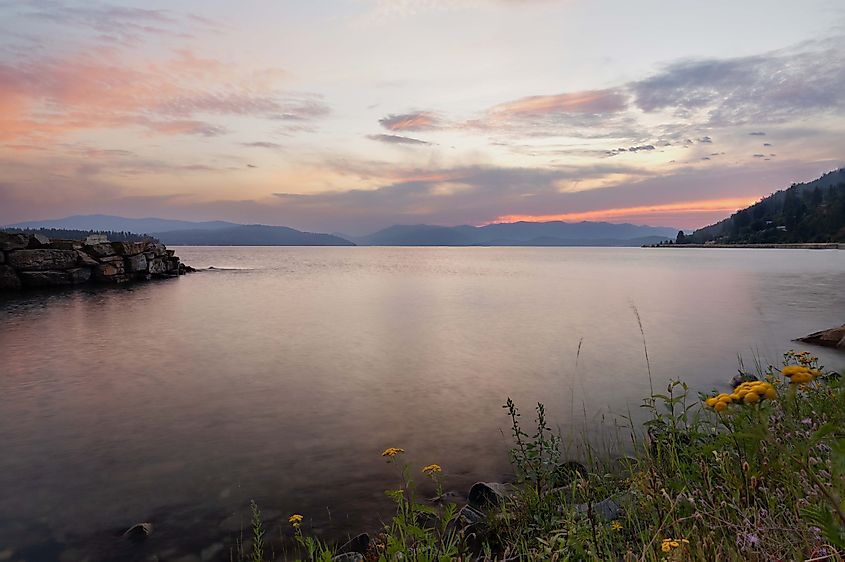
pixel 352 115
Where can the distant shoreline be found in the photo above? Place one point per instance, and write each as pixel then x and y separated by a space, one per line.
pixel 801 246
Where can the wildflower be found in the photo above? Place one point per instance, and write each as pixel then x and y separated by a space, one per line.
pixel 750 392
pixel 668 544
pixel 616 526
pixel 392 452
pixel 295 520
pixel 432 469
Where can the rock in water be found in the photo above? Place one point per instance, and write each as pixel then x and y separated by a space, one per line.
pixel 9 280
pixel 835 337
pixel 136 263
pixel 138 532
pixel 42 260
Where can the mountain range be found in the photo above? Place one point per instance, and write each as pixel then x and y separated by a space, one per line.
pixel 222 233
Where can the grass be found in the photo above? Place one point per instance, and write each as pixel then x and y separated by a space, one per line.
pixel 760 477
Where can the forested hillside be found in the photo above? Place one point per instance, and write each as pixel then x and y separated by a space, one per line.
pixel 805 212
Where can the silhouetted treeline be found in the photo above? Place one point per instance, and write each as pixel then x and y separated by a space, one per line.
pixel 806 212
pixel 66 234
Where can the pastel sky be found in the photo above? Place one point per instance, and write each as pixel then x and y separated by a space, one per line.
pixel 351 115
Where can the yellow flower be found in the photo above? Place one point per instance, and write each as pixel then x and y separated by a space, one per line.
pixel 392 452
pixel 432 469
pixel 752 398
pixel 711 401
pixel 770 393
pixel 721 406
pixel 295 519
pixel 616 526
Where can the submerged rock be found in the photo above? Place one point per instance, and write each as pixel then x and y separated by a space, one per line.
pixel 138 532
pixel 9 279
pixel 834 337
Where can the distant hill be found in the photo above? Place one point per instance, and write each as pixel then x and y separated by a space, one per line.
pixel 805 212
pixel 249 235
pixel 117 224
pixel 554 233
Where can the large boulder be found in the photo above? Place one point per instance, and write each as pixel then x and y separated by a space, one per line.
pixel 105 271
pixel 13 241
pixel 45 278
pixel 42 260
pixel 835 337
pixel 135 263
pixel 38 241
pixel 84 259
pixel 156 248
pixel 128 248
pixel 101 250
pixel 9 280
pixel 66 244
pixel 158 266
pixel 484 495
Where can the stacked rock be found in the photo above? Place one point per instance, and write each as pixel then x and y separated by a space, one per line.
pixel 36 261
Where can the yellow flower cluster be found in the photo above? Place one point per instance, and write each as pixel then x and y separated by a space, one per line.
pixel 804 358
pixel 295 520
pixel 392 452
pixel 432 469
pixel 669 544
pixel 798 374
pixel 616 526
pixel 748 392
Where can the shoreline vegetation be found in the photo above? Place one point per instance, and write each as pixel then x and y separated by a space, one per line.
pixel 757 473
pixel 795 246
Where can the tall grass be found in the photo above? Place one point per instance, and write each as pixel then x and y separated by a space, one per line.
pixel 762 479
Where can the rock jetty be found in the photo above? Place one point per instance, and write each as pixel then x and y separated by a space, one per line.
pixel 33 261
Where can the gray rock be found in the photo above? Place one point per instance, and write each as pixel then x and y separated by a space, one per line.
pixel 835 337
pixel 609 508
pixel 79 275
pixel 106 270
pixel 111 259
pixel 42 260
pixel 9 280
pixel 101 250
pixel 66 244
pixel 138 532
pixel 136 263
pixel 484 495
pixel 128 248
pixel 158 266
pixel 156 248
pixel 469 516
pixel 45 278
pixel 84 259
pixel 38 241
pixel 10 241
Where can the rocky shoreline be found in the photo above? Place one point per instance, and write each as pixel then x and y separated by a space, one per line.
pixel 29 261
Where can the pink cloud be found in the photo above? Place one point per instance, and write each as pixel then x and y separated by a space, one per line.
pixel 588 101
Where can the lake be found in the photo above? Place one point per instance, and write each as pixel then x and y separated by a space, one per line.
pixel 283 373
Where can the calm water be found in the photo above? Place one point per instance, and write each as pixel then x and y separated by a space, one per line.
pixel 284 376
